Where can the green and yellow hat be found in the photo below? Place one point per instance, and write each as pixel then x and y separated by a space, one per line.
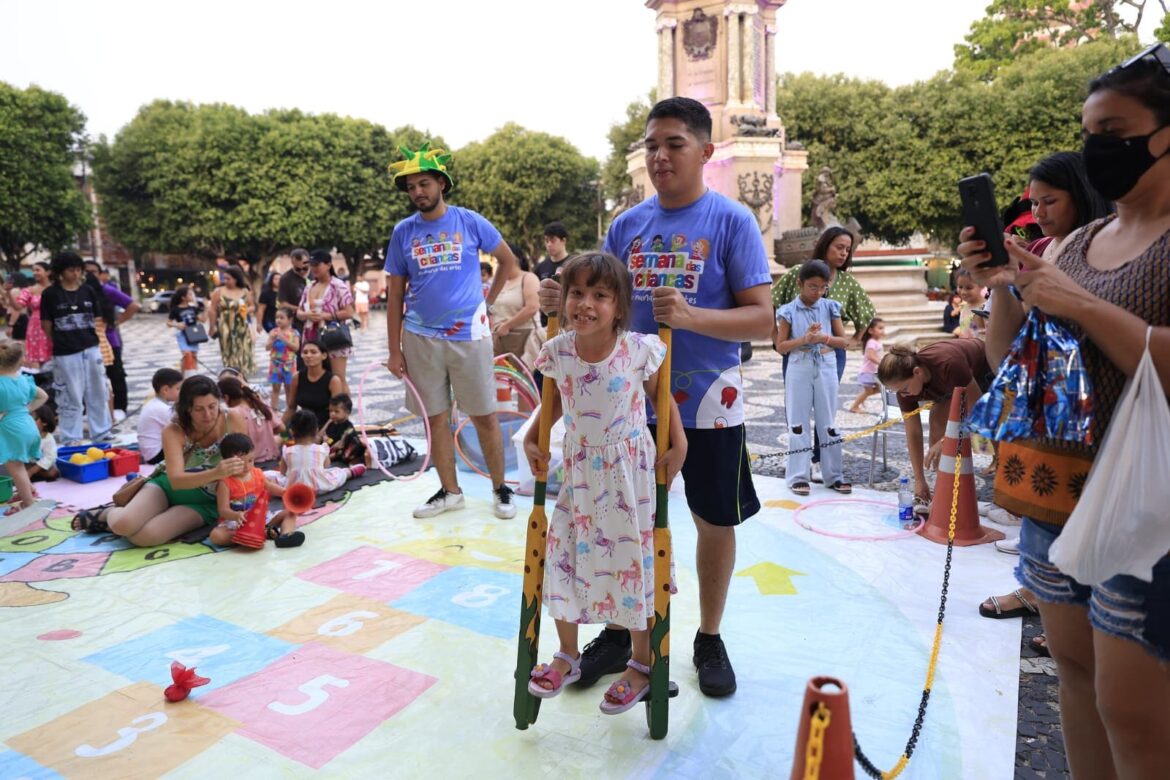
pixel 425 160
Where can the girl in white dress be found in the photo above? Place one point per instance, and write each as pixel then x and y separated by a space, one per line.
pixel 600 565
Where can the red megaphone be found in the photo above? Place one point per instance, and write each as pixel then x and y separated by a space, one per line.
pixel 299 498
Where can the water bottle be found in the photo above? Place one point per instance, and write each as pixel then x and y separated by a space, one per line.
pixel 905 502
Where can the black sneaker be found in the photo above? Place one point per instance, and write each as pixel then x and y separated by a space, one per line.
pixel 716 677
pixel 607 654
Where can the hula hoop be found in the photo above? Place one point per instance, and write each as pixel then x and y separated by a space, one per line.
pixel 362 424
pixel 905 534
pixel 516 361
pixel 467 460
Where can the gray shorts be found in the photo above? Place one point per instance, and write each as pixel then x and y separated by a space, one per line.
pixel 438 366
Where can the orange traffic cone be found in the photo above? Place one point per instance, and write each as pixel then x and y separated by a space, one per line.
pixel 968 531
pixel 824 742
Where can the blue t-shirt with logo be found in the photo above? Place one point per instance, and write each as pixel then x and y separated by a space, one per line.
pixel 709 250
pixel 440 259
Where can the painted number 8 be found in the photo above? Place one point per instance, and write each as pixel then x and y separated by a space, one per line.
pixel 480 596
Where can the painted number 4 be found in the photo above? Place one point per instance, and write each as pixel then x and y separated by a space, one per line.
pixel 315 695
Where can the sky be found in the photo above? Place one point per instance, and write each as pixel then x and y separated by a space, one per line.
pixel 457 68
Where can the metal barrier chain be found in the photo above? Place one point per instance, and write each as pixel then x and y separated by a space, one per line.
pixel 851 437
pixel 916 731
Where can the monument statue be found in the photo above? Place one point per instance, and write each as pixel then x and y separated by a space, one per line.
pixel 824 200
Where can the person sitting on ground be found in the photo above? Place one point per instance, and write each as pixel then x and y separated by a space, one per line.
pixel 245 498
pixel 345 445
pixel 808 329
pixel 313 386
pixel 307 462
pixel 181 498
pixel 262 424
pixel 157 414
pixel 932 374
pixel 44 468
pixel 20 442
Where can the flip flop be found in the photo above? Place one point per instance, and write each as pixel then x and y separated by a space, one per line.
pixel 999 613
pixel 621 696
pixel 1039 643
pixel 800 488
pixel 295 539
pixel 844 488
pixel 559 681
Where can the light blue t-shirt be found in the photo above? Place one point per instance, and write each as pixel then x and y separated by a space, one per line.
pixel 708 250
pixel 440 259
pixel 799 317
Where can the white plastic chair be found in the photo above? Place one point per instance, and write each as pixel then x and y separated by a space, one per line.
pixel 890 411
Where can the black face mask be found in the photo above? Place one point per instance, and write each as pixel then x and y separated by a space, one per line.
pixel 1114 164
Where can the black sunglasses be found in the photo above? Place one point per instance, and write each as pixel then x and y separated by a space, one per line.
pixel 1158 51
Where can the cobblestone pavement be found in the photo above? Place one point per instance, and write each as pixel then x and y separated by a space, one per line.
pixel 1040 749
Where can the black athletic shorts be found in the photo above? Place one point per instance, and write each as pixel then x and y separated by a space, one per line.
pixel 718 475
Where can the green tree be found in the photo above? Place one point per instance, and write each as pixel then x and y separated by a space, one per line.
pixel 1163 32
pixel 897 154
pixel 41 206
pixel 623 136
pixel 1013 28
pixel 217 180
pixel 522 179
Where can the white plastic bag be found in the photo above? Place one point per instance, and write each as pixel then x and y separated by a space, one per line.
pixel 1120 524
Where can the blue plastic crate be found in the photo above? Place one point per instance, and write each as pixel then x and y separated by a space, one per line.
pixel 90 472
pixel 65 452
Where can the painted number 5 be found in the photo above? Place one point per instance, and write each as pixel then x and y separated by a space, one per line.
pixel 480 596
pixel 315 694
pixel 126 736
pixel 344 625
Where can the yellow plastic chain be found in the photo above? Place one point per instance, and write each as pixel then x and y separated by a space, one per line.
pixel 815 749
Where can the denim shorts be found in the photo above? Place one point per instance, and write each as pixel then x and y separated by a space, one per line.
pixel 1122 606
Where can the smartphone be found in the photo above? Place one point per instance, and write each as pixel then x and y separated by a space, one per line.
pixel 980 212
pixel 981 313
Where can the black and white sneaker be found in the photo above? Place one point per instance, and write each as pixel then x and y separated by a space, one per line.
pixel 503 503
pixel 440 502
pixel 716 677
pixel 607 654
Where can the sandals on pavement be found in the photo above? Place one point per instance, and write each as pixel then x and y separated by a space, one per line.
pixel 621 696
pixel 800 488
pixel 545 673
pixel 996 612
pixel 845 488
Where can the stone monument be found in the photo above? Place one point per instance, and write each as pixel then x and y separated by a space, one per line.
pixel 723 54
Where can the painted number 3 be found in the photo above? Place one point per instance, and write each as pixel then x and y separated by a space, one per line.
pixel 126 736
pixel 315 695
pixel 480 596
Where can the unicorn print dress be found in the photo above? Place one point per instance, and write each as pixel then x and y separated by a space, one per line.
pixel 600 564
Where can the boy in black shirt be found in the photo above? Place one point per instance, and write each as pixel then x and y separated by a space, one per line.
pixel 345 446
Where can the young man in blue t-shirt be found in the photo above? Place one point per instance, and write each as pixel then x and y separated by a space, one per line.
pixel 446 343
pixel 698 264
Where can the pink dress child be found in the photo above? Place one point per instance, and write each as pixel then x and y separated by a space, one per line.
pixel 37 346
pixel 600 565
pixel 305 463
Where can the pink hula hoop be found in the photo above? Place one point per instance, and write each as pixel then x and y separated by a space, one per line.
pixel 853 537
pixel 362 424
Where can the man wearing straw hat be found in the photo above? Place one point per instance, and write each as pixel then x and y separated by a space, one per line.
pixel 446 343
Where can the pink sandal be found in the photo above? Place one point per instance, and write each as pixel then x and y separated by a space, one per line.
pixel 545 672
pixel 621 696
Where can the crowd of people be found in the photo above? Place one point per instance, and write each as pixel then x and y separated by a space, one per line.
pixel 691 259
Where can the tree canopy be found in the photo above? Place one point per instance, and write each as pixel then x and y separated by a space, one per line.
pixel 897 153
pixel 41 206
pixel 213 178
pixel 1013 28
pixel 522 179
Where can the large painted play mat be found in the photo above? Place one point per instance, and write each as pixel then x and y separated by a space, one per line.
pixel 385 647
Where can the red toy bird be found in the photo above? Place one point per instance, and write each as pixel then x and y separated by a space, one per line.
pixel 185 679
